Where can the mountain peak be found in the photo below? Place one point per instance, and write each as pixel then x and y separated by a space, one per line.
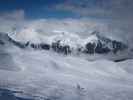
pixel 95 33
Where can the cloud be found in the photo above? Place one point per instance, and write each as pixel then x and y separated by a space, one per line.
pixel 10 20
pixel 99 8
pixel 13 15
pixel 83 27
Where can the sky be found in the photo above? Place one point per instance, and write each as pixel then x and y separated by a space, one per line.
pixel 70 8
pixel 110 17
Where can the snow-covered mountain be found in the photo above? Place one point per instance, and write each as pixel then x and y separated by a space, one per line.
pixel 101 44
pixel 69 44
pixel 98 43
pixel 32 70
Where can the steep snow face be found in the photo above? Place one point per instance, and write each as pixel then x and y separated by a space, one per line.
pixel 45 75
pixel 66 38
pixel 91 39
pixel 29 35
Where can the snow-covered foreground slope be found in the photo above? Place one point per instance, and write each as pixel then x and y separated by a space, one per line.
pixel 45 75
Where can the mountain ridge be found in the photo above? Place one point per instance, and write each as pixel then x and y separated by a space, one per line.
pixel 66 43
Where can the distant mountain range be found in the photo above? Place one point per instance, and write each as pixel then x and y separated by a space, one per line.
pixel 66 44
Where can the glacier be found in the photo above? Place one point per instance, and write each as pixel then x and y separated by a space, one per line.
pixel 46 75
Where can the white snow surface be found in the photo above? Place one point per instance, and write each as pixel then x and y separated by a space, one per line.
pixel 45 75
pixel 66 38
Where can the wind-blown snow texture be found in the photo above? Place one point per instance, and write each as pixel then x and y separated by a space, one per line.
pixel 47 75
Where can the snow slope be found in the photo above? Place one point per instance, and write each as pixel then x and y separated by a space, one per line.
pixel 45 75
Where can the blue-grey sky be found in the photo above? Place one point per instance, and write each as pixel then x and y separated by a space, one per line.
pixel 36 8
pixel 70 8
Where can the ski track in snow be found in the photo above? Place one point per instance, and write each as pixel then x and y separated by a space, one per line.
pixel 45 75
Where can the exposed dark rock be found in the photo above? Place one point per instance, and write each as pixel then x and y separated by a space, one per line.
pixel 118 46
pixel 45 46
pixel 19 44
pixel 90 48
pixel 120 60
pixel 101 49
pixel 35 46
pixel 1 42
pixel 40 46
pixel 61 49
